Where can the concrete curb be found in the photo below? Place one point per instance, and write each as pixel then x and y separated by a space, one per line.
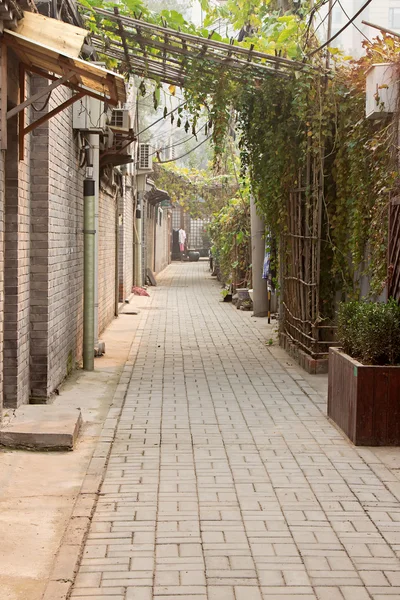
pixel 68 557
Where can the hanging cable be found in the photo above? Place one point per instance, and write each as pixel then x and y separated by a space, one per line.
pixel 162 162
pixel 179 143
pixel 333 37
pixel 358 29
pixel 44 105
pixel 163 117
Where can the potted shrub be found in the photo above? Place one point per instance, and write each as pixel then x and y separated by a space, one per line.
pixel 364 373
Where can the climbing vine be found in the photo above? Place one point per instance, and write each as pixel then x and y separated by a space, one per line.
pixel 285 123
pixel 231 240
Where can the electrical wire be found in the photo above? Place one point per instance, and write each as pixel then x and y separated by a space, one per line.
pixel 44 105
pixel 162 162
pixel 326 16
pixel 358 29
pixel 179 143
pixel 163 117
pixel 333 37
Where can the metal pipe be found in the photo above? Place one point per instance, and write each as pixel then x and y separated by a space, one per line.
pixel 89 274
pixel 94 142
pixel 138 241
pixel 260 297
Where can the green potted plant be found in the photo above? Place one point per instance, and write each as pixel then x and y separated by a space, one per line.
pixel 364 373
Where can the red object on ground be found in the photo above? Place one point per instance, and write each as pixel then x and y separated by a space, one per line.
pixel 138 291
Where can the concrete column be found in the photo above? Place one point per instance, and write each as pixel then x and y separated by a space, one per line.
pixel 260 294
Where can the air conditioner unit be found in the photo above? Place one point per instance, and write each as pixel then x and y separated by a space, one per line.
pixel 117 142
pixel 120 119
pixel 89 114
pixel 381 90
pixel 145 159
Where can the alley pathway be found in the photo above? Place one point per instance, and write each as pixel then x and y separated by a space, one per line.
pixel 225 480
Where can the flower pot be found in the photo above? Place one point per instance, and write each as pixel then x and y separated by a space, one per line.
pixel 364 400
pixel 243 294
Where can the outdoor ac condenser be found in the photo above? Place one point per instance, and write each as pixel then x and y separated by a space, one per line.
pixel 120 119
pixel 89 114
pixel 381 90
pixel 118 141
pixel 145 159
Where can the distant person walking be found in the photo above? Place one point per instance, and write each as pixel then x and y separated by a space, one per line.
pixel 182 242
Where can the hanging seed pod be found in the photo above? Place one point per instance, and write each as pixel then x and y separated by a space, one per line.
pixel 172 118
pixel 206 130
pixel 179 122
pixel 187 125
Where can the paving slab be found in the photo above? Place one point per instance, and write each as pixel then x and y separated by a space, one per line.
pixel 225 479
pixel 41 427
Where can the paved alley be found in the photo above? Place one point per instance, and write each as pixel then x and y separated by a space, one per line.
pixel 225 479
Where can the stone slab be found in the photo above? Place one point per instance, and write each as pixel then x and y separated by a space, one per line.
pixel 41 427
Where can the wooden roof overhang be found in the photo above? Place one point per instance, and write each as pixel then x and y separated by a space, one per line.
pixel 51 63
pixel 165 54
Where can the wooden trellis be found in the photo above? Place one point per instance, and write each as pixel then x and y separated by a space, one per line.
pixel 394 248
pixel 153 51
pixel 300 260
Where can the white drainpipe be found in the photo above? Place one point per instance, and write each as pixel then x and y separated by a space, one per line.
pixel 94 141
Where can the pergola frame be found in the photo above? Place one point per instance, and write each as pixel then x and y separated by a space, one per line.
pixel 164 54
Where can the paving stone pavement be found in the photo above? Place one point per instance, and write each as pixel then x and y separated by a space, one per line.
pixel 225 480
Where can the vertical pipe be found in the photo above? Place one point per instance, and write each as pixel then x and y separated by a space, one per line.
pixel 138 241
pixel 116 299
pixel 260 298
pixel 94 142
pixel 89 274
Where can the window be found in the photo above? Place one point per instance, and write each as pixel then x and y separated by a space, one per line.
pixel 394 18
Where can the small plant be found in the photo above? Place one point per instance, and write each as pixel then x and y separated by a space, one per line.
pixel 370 331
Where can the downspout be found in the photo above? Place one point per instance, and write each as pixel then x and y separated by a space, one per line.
pixel 94 141
pixel 138 240
pixel 116 299
pixel 89 273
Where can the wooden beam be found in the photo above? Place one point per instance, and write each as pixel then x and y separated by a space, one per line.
pixel 3 97
pixel 156 29
pixel 35 97
pixel 123 38
pixel 53 112
pixel 384 29
pixel 21 115
pixel 68 84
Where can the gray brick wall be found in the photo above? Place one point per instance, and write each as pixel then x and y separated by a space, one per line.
pixel 56 250
pixel 107 254
pixel 2 185
pixel 17 251
pixel 65 246
pixel 126 239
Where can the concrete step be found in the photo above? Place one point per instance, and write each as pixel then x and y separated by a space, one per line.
pixel 40 427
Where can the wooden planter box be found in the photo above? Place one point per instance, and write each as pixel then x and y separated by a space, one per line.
pixel 364 401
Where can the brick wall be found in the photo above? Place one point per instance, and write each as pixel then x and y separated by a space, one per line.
pixel 65 245
pixel 126 239
pixel 56 250
pixel 3 143
pixel 107 254
pixel 17 255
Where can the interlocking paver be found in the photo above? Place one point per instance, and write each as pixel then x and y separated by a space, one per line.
pixel 226 481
